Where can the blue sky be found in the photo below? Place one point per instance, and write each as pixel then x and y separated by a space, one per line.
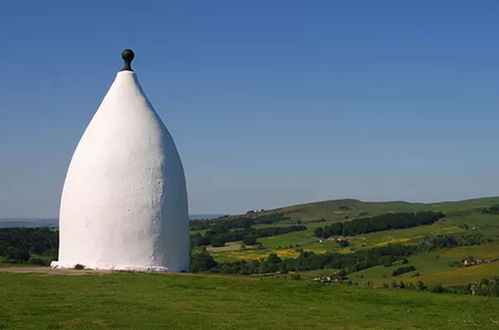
pixel 270 103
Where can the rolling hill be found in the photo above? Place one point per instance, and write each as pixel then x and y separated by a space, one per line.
pixel 335 210
pixel 436 265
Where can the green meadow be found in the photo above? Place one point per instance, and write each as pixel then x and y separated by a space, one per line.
pixel 151 301
pixel 336 210
pixel 437 267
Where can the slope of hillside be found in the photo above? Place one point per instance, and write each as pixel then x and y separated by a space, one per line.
pixel 459 214
pixel 436 265
pixel 336 210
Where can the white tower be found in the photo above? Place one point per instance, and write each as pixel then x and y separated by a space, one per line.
pixel 124 201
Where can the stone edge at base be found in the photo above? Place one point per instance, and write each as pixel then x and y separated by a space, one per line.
pixel 59 265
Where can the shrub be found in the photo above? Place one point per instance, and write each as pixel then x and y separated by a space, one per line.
pixel 437 288
pixel 78 266
pixel 217 241
pixel 494 209
pixel 202 261
pixel 38 261
pixel 343 243
pixel 403 270
pixel 16 255
pixel 379 223
pixel 420 285
pixel 250 239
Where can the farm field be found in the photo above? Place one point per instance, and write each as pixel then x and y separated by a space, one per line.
pixel 435 267
pixel 307 241
pixel 439 267
pixel 458 215
pixel 139 300
pixel 461 276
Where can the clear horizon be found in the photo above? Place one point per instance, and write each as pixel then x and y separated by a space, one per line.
pixel 269 104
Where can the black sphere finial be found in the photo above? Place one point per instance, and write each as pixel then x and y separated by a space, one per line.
pixel 128 56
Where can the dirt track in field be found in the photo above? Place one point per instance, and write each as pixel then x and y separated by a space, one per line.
pixel 69 271
pixel 52 271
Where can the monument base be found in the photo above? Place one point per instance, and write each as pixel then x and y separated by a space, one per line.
pixel 59 265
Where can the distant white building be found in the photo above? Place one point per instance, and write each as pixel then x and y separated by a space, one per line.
pixel 124 201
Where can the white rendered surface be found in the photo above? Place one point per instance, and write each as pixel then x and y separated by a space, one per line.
pixel 124 201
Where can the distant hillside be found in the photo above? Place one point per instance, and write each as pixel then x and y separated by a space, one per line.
pixel 439 247
pixel 202 216
pixel 28 222
pixel 336 210
pixel 39 222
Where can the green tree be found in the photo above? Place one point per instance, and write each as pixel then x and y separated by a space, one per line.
pixel 16 255
pixel 202 261
pixel 250 239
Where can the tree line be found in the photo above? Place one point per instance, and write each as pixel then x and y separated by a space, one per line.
pixel 378 223
pixel 222 224
pixel 484 287
pixel 362 259
pixel 403 270
pixel 18 244
pixel 494 209
pixel 249 236
pixel 307 260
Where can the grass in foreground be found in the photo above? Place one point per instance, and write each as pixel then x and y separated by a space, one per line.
pixel 127 300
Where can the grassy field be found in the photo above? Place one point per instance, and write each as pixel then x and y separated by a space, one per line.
pixel 128 300
pixel 461 276
pixel 138 300
pixel 336 210
pixel 306 240
pixel 435 267
pixel 488 250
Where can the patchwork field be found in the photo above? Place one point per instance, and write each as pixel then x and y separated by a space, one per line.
pixel 437 267
pixel 443 266
pixel 461 276
pixel 458 214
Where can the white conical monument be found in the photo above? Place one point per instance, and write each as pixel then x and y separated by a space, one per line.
pixel 124 201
